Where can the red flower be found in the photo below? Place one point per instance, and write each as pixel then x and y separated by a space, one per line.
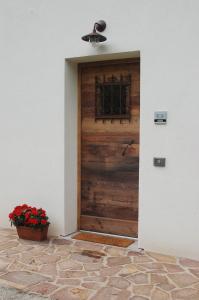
pixel 11 216
pixel 34 211
pixel 43 222
pixel 17 212
pixel 33 221
pixel 24 206
pixel 18 207
pixel 42 212
pixel 27 215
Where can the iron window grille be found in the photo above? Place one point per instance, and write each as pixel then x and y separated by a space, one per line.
pixel 112 97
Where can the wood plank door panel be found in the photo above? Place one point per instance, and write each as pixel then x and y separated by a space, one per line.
pixel 109 166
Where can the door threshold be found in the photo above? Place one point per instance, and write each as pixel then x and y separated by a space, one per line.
pixel 110 234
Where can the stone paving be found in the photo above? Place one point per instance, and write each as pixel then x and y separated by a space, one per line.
pixel 7 293
pixel 64 269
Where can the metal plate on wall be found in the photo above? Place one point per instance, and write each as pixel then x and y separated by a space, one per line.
pixel 159 161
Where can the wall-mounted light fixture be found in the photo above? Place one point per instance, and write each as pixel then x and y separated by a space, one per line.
pixel 94 37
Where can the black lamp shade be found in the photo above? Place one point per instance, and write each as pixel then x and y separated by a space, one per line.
pixel 94 37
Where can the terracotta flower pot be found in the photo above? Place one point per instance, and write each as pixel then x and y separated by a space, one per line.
pixel 33 234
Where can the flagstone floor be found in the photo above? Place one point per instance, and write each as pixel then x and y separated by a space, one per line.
pixel 64 269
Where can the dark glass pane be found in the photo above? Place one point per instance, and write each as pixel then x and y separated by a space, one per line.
pixel 116 99
pixel 123 100
pixel 107 99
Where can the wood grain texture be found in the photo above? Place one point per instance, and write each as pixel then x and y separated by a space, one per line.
pixel 103 239
pixel 108 225
pixel 109 166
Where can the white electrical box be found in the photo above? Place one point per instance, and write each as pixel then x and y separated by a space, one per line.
pixel 160 117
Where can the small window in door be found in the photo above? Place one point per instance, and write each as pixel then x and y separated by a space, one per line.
pixel 113 97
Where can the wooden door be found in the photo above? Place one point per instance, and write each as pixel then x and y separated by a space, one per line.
pixel 109 150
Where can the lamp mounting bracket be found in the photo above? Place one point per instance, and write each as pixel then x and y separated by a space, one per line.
pixel 100 25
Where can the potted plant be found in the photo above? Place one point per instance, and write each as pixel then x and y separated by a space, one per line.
pixel 31 223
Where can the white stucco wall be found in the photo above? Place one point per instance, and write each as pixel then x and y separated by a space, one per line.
pixel 37 117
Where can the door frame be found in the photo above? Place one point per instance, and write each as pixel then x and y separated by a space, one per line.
pixel 79 131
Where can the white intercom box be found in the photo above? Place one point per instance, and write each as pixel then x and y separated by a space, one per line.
pixel 160 117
